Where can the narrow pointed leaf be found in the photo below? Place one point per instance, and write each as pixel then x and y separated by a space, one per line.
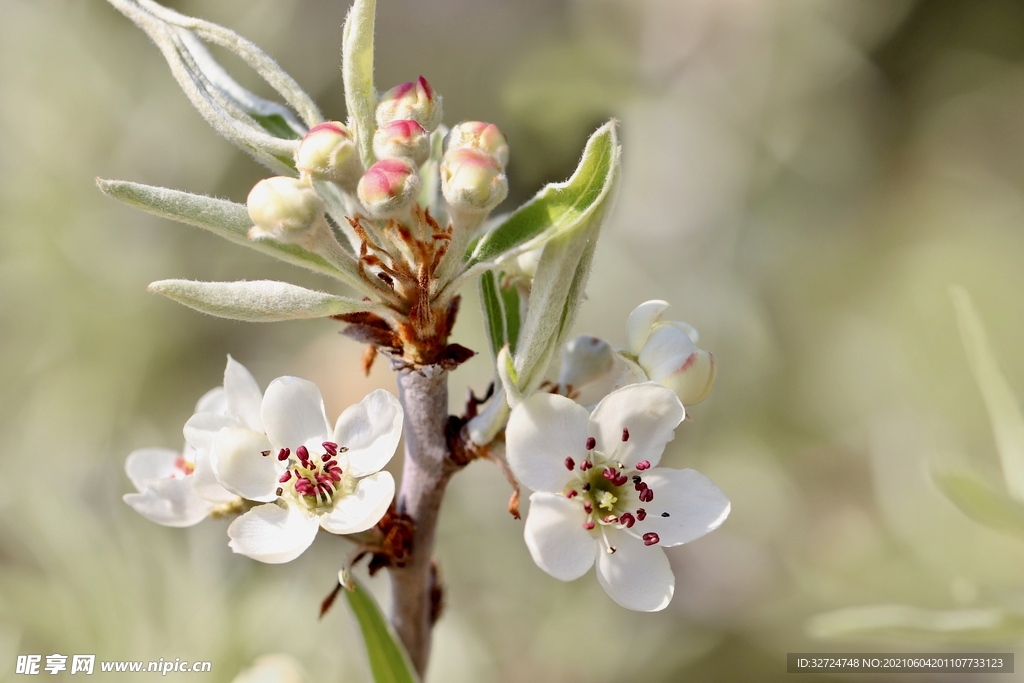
pixel 388 660
pixel 981 501
pixel 1003 409
pixel 357 72
pixel 559 207
pixel 258 300
pixel 221 217
pixel 494 314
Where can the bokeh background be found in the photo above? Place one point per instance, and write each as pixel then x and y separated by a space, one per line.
pixel 803 180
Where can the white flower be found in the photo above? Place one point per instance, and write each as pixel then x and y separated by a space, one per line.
pixel 310 476
pixel 178 488
pixel 600 495
pixel 666 353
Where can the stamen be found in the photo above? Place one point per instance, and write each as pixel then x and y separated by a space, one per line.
pixel 625 434
pixel 627 520
pixel 586 486
pixel 569 463
pixel 664 514
pixel 571 494
pixel 264 453
pixel 611 519
pixel 643 465
pixel 651 538
pixel 609 474
pixel 620 480
pixel 303 453
pixel 647 495
pixel 284 453
pixel 641 514
pixel 589 525
pixel 612 549
pixel 285 477
pixel 586 465
pixel 640 485
pixel 330 447
pixel 325 457
pixel 279 491
pixel 591 443
pixel 587 507
pixel 636 479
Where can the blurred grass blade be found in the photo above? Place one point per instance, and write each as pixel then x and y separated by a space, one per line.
pixel 221 217
pixel 559 207
pixel 980 501
pixel 388 660
pixel 258 300
pixel 904 622
pixel 357 72
pixel 1003 409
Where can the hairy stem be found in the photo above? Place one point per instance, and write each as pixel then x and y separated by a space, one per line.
pixel 427 469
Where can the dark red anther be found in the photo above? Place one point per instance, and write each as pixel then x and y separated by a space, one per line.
pixel 640 486
pixel 647 495
pixel 620 480
pixel 586 465
pixel 335 475
pixel 591 442
pixel 325 457
pixel 303 453
pixel 588 525
pixel 334 469
pixel 664 514
pixel 587 507
pixel 284 453
pixel 627 519
pixel 572 493
pixel 651 538
pixel 641 514
pixel 569 463
pixel 285 477
pixel 330 447
pixel 625 434
pixel 279 491
pixel 609 474
pixel 586 487
pixel 643 465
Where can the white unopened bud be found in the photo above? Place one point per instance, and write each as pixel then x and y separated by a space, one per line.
pixel 328 153
pixel 402 138
pixel 471 179
pixel 415 100
pixel 388 186
pixel 589 369
pixel 482 136
pixel 284 209
pixel 667 353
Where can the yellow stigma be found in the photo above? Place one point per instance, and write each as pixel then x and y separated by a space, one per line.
pixel 606 500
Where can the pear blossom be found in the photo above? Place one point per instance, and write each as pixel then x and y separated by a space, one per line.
pixel 308 475
pixel 666 352
pixel 178 489
pixel 600 497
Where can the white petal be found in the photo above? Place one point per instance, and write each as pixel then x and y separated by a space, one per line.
pixel 542 432
pixel 243 394
pixel 170 502
pixel 649 412
pixel 239 464
pixel 270 533
pixel 145 464
pixel 556 538
pixel 636 576
pixel 693 381
pixel 363 508
pixel 668 348
pixel 202 428
pixel 213 401
pixel 640 322
pixel 689 329
pixel 293 413
pixel 370 430
pixel 695 506
pixel 205 483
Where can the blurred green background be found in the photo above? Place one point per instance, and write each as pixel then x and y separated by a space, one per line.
pixel 803 180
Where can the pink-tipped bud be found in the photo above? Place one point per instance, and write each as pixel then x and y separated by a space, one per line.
pixel 402 138
pixel 415 100
pixel 285 209
pixel 482 136
pixel 471 179
pixel 328 153
pixel 388 186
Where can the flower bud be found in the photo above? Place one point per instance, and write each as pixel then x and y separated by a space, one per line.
pixel 415 100
pixel 585 359
pixel 402 138
pixel 482 136
pixel 328 153
pixel 285 209
pixel 388 186
pixel 471 179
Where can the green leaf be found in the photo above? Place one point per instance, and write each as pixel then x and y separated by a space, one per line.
pixel 559 207
pixel 221 217
pixel 258 300
pixel 908 623
pixel 510 304
pixel 276 125
pixel 388 660
pixel 357 73
pixel 980 501
pixel 494 315
pixel 1003 410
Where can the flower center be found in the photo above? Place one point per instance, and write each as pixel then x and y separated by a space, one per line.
pixel 611 494
pixel 315 479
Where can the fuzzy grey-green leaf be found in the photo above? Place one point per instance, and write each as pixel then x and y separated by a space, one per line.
pixel 258 300
pixel 388 660
pixel 357 73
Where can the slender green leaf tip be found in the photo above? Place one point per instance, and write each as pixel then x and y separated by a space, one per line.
pixel 388 660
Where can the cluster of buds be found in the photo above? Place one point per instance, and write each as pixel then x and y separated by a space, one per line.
pixel 473 169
